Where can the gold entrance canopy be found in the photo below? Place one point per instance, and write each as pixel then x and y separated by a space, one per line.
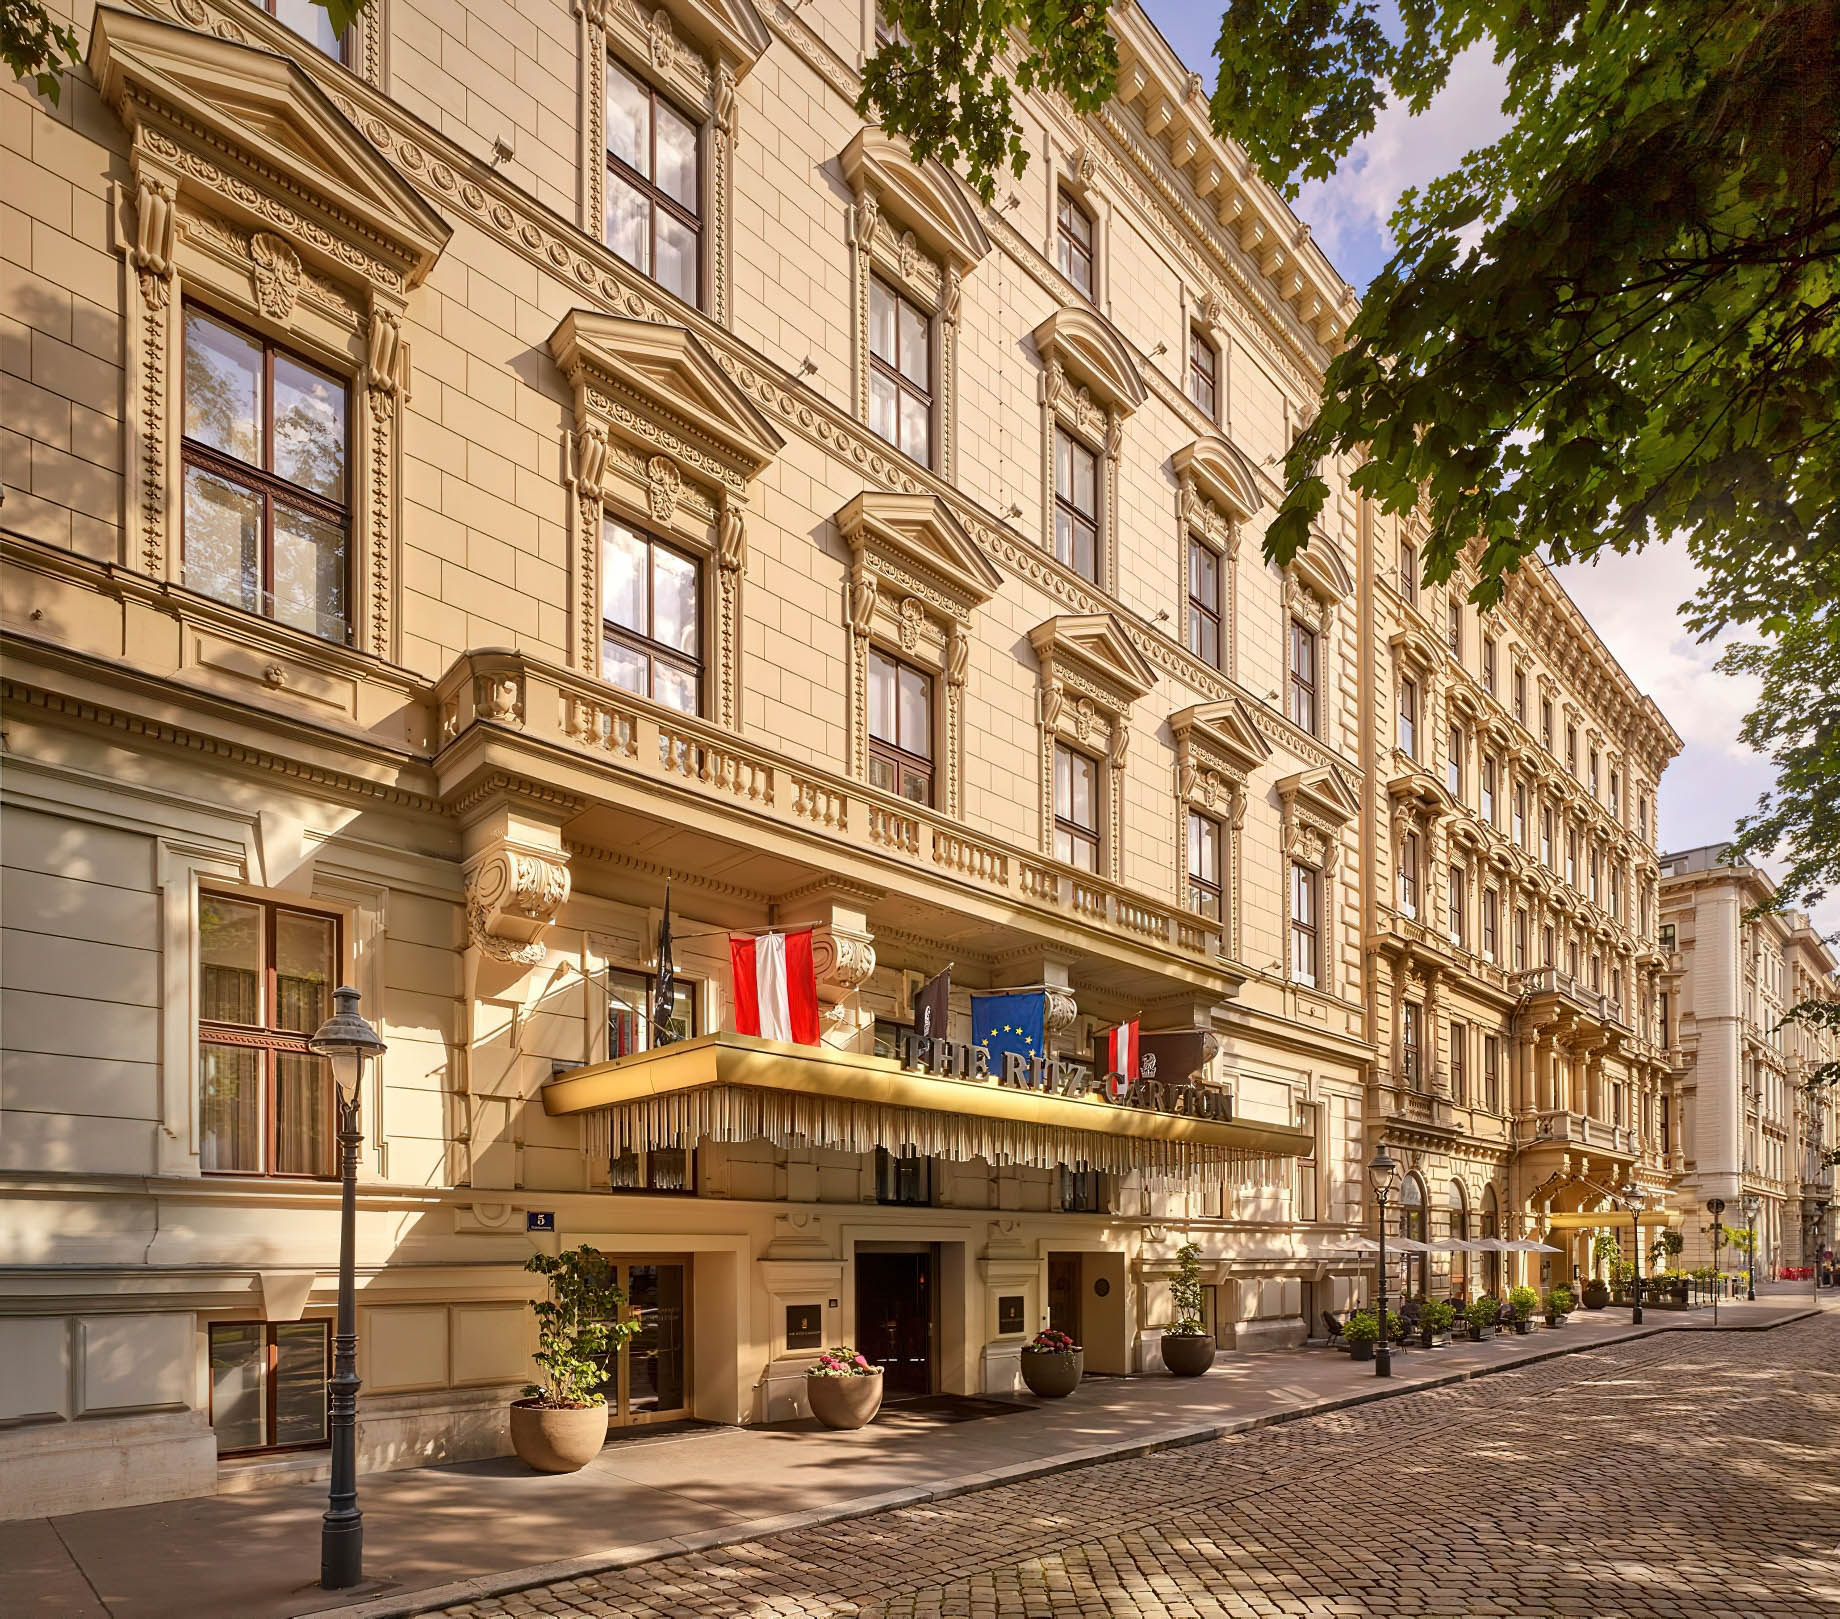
pixel 1576 1220
pixel 735 1088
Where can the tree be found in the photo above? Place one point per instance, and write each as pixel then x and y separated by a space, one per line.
pixel 36 45
pixel 1619 322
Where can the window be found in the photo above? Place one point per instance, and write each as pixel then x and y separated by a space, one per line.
pixel 1303 676
pixel 1488 665
pixel 1546 723
pixel 906 1178
pixel 311 22
pixel 1520 814
pixel 1303 1194
pixel 1082 1190
pixel 1204 884
pixel 1616 892
pixel 631 1001
pixel 267 524
pixel 1597 972
pixel 1571 958
pixel 1408 571
pixel 1491 911
pixel 1571 859
pixel 1456 905
pixel 900 728
pixel 1591 768
pixel 1668 936
pixel 1076 505
pixel 654 1169
pixel 1488 789
pixel 1459 1078
pixel 1408 715
pixel 1456 627
pixel 1305 923
pixel 1520 696
pixel 654 184
pixel 1597 867
pixel 1408 875
pixel 651 618
pixel 1453 766
pixel 1073 243
pixel 265 977
pixel 1571 750
pixel 1642 816
pixel 1203 374
pixel 1411 1042
pixel 1520 939
pixel 1546 836
pixel 1076 808
pixel 268 1385
pixel 1664 1008
pixel 1616 795
pixel 1491 1072
pixel 1546 945
pixel 900 372
pixel 1203 603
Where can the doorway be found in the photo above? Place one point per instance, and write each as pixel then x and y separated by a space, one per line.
pixel 647 1379
pixel 897 1316
pixel 1064 1294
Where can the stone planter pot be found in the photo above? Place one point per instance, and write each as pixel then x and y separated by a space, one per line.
pixel 1522 1328
pixel 1477 1334
pixel 557 1439
pixel 1554 1320
pixel 1364 1350
pixel 1052 1374
pixel 844 1402
pixel 1188 1356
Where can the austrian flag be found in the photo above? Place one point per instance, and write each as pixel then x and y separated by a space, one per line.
pixel 1121 1050
pixel 776 986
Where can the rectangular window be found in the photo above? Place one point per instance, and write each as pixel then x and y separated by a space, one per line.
pixel 1082 1190
pixel 1616 795
pixel 1669 934
pixel 1491 1072
pixel 651 618
pixel 1488 789
pixel 1488 665
pixel 1204 603
pixel 1408 571
pixel 654 1169
pixel 1546 946
pixel 268 1385
pixel 900 728
pixel 1408 716
pixel 266 520
pixel 265 977
pixel 1546 724
pixel 900 372
pixel 1459 1077
pixel 631 1001
pixel 1411 1043
pixel 1571 859
pixel 1453 766
pixel 1456 628
pixel 1664 1008
pixel 311 22
pixel 1203 374
pixel 1520 815
pixel 654 184
pixel 1520 696
pixel 1304 1197
pixel 1306 931
pixel 1642 817
pixel 1204 868
pixel 1546 836
pixel 1076 808
pixel 1491 913
pixel 1408 874
pixel 1571 751
pixel 1456 906
pixel 1520 939
pixel 1076 505
pixel 903 1178
pixel 1073 242
pixel 1303 676
pixel 1591 769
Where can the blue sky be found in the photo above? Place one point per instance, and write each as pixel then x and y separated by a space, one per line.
pixel 1633 602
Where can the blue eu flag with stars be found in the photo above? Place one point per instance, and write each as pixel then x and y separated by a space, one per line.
pixel 1017 1023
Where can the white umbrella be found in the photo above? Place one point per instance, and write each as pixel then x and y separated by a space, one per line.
pixel 1408 1245
pixel 1356 1245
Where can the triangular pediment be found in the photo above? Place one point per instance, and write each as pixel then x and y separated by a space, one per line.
pixel 263 123
pixel 924 197
pixel 1089 349
pixel 920 534
pixel 1227 727
pixel 1325 790
pixel 1222 474
pixel 1097 644
pixel 731 30
pixel 669 375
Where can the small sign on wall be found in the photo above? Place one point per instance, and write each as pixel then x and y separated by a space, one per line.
pixel 1009 1313
pixel 539 1219
pixel 804 1326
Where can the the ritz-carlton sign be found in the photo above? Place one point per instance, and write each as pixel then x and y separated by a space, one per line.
pixel 1055 1076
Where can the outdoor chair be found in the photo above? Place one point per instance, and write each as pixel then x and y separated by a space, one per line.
pixel 1333 1323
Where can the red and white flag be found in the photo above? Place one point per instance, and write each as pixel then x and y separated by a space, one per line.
pixel 776 986
pixel 1121 1050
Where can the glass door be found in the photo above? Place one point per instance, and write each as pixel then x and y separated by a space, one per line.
pixel 648 1378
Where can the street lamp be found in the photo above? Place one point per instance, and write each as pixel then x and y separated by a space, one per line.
pixel 1633 1198
pixel 1819 1219
pixel 1383 1176
pixel 1715 1206
pixel 1752 1205
pixel 345 1040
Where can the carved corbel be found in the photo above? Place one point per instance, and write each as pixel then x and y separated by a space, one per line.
pixel 155 238
pixel 844 959
pixel 386 369
pixel 1062 1010
pixel 512 897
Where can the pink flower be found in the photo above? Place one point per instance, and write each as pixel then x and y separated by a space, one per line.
pixel 862 1363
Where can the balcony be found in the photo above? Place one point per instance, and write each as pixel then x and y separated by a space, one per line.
pixel 1551 981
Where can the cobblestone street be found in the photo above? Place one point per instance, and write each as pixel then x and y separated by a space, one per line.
pixel 1682 1475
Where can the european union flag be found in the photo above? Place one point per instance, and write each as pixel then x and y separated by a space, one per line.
pixel 1016 1023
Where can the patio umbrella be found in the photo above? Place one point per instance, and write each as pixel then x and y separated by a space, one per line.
pixel 1355 1245
pixel 1408 1245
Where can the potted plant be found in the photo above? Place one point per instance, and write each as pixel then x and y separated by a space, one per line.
pixel 1361 1329
pixel 1483 1316
pixel 1559 1304
pixel 843 1389
pixel 561 1423
pixel 1523 1301
pixel 1188 1347
pixel 1435 1322
pixel 1604 1248
pixel 1596 1295
pixel 1051 1364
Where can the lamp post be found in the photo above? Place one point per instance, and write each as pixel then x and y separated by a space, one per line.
pixel 345 1040
pixel 1715 1206
pixel 1814 1246
pixel 1752 1205
pixel 1383 1175
pixel 1633 1198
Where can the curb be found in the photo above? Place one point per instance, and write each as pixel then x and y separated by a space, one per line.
pixel 409 1604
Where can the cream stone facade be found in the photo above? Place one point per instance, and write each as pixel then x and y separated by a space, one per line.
pixel 458 485
pixel 1751 1126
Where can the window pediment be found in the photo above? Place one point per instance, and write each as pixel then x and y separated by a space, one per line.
pixel 729 31
pixel 659 387
pixel 914 540
pixel 1087 348
pixel 1221 474
pixel 1226 730
pixel 252 122
pixel 1092 653
pixel 1412 646
pixel 924 197
pixel 1323 792
pixel 1416 791
pixel 1319 568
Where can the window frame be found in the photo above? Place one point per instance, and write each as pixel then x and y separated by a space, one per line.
pixel 690 987
pixel 263 482
pixel 1307 689
pixel 1458 919
pixel 1408 573
pixel 893 1176
pixel 1306 881
pixel 1491 924
pixel 1488 664
pixel 1198 885
pixel 1453 764
pixel 1455 629
pixel 646 644
pixel 619 169
pixel 1408 874
pixel 1406 721
pixel 1486 774
pixel 269 1447
pixel 1459 1072
pixel 903 761
pixel 1200 375
pixel 1077 835
pixel 902 383
pixel 1076 518
pixel 1068 250
pixel 1199 610
pixel 1411 1043
pixel 1491 1072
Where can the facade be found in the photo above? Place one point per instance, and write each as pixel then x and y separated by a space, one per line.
pixel 464 486
pixel 1751 1127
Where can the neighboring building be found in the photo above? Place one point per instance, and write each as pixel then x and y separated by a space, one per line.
pixel 1750 1126
pixel 1810 1213
pixel 458 486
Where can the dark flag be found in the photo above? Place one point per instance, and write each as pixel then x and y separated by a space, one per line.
pixel 664 1001
pixel 931 1003
pixel 1174 1056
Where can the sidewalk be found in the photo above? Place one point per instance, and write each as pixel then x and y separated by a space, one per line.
pixel 256 1556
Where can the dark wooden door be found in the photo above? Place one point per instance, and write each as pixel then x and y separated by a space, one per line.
pixel 1064 1294
pixel 894 1319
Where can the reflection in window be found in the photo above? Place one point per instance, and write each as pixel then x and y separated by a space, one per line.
pixel 1303 676
pixel 1204 374
pixel 651 618
pixel 1306 942
pixel 900 372
pixel 1076 808
pixel 1204 869
pixel 631 1002
pixel 1204 613
pixel 268 1385
pixel 1073 239
pixel 654 209
pixel 900 727
pixel 1076 505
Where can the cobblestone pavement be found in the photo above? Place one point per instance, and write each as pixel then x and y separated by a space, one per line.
pixel 1678 1477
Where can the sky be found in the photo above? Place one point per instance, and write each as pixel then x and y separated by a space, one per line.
pixel 1632 602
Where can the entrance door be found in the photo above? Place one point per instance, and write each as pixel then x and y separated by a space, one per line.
pixel 648 1378
pixel 895 1294
pixel 1064 1294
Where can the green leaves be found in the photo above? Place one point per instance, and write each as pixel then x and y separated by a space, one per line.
pixel 36 46
pixel 578 1325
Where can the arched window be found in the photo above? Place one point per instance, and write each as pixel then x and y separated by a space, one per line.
pixel 1412 1225
pixel 1491 1227
pixel 1457 1202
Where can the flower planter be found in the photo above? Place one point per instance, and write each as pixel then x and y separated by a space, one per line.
pixel 1477 1334
pixel 1361 1350
pixel 1554 1320
pixel 557 1438
pixel 1522 1328
pixel 845 1402
pixel 1188 1355
pixel 1052 1374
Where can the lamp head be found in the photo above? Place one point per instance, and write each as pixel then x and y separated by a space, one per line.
pixel 1752 1204
pixel 345 1040
pixel 1383 1172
